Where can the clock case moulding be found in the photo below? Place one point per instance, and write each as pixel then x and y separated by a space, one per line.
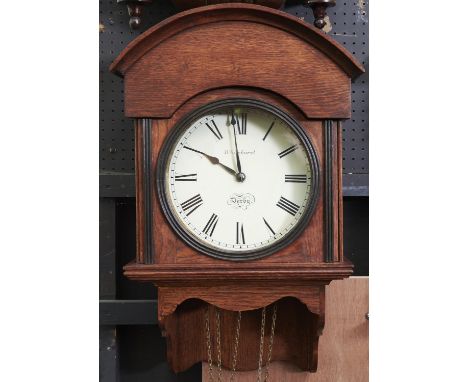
pixel 252 52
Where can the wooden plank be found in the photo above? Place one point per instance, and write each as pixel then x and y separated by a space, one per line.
pixel 343 347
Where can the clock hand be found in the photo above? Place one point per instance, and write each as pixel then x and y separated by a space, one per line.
pixel 213 160
pixel 240 175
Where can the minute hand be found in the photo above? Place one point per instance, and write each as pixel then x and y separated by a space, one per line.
pixel 233 123
pixel 213 160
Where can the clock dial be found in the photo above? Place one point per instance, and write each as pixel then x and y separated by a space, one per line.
pixel 239 179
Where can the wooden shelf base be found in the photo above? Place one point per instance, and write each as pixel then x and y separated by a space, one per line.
pixel 186 292
pixel 296 335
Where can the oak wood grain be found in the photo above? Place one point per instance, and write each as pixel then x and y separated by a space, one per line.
pixel 232 272
pixel 231 12
pixel 190 50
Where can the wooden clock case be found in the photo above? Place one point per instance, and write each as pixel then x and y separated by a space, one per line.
pixel 238 51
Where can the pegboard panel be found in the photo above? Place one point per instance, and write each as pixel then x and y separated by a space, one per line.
pixel 116 138
pixel 349 26
pixel 351 29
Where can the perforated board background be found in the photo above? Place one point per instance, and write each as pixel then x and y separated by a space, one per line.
pixel 349 23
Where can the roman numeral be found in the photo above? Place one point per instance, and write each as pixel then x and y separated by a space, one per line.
pixel 186 178
pixel 269 227
pixel 211 225
pixel 241 127
pixel 192 204
pixel 269 129
pixel 295 178
pixel 288 206
pixel 240 233
pixel 214 129
pixel 289 150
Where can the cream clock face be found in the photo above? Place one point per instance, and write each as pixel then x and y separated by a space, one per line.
pixel 238 179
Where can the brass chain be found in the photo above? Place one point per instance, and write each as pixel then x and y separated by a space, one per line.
pixel 272 338
pixel 218 342
pixel 260 353
pixel 208 342
pixel 236 346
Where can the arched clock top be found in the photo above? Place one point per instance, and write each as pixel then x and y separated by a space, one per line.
pixel 234 45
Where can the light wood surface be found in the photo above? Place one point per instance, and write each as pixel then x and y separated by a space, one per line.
pixel 343 347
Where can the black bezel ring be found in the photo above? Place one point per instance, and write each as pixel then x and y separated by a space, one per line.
pixel 189 238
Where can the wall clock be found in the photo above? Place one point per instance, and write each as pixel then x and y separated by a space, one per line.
pixel 238 181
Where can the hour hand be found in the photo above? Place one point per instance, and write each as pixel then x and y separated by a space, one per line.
pixel 213 160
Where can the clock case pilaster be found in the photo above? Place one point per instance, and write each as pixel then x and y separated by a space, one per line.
pixel 144 200
pixel 296 276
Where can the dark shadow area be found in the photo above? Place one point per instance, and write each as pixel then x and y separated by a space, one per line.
pixel 126 250
pixel 356 233
pixel 148 363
